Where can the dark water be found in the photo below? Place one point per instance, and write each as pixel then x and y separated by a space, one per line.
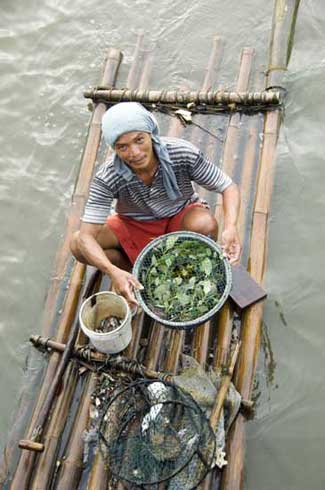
pixel 50 51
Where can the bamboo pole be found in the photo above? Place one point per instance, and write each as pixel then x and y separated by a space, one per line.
pixel 146 72
pixel 225 318
pixel 233 131
pixel 99 474
pixel 27 459
pixel 43 471
pixel 210 98
pixel 137 324
pixel 223 390
pixel 283 28
pixel 252 318
pixel 158 331
pixel 247 183
pixel 44 412
pixel 131 81
pixel 25 464
pixel 177 338
pixel 71 467
pixel 233 134
pixel 174 350
pixel 212 67
pixel 155 343
pixel 79 197
pixel 200 343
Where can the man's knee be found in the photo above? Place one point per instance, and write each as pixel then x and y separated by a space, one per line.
pixel 75 247
pixel 201 222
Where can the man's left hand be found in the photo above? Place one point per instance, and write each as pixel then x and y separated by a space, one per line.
pixel 230 244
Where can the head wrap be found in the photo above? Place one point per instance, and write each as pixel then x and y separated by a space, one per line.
pixel 130 116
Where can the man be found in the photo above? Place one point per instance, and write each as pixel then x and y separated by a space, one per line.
pixel 151 180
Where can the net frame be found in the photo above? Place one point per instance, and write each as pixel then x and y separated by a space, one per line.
pixel 207 465
pixel 182 325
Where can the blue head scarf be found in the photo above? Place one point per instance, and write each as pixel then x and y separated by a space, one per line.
pixel 130 116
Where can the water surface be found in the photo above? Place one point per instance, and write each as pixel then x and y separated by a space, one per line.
pixel 50 51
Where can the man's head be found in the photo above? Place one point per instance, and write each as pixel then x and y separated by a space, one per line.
pixel 128 128
pixel 126 117
pixel 135 148
pixel 133 132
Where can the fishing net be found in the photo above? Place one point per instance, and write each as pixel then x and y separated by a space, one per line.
pixel 152 432
pixel 186 279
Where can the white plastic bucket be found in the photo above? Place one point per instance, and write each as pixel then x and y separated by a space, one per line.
pixel 94 310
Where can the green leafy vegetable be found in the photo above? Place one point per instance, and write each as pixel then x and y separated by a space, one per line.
pixel 183 279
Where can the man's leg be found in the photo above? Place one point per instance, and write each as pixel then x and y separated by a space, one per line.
pixel 109 243
pixel 200 220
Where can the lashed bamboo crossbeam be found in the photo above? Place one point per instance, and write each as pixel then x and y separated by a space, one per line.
pixel 119 363
pixel 183 98
pixel 116 363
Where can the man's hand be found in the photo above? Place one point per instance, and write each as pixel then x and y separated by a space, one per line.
pixel 230 244
pixel 124 284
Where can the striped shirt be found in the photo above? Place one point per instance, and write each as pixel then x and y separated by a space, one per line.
pixel 134 199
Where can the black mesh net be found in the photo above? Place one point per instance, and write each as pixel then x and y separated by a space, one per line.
pixel 154 432
pixel 186 279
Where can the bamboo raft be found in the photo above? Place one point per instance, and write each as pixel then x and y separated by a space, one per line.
pixel 248 155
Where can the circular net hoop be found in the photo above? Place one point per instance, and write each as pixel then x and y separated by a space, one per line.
pixel 153 432
pixel 186 279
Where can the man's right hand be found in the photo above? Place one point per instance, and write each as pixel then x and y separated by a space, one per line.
pixel 124 284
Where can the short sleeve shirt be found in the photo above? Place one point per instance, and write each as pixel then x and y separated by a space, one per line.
pixel 132 198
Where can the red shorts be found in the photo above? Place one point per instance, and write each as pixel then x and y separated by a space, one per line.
pixel 134 235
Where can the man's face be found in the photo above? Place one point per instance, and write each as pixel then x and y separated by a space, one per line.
pixel 136 150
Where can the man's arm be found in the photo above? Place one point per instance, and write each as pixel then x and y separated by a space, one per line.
pixel 93 253
pixel 230 241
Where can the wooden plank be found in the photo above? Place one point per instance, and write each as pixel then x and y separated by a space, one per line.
pixel 245 291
